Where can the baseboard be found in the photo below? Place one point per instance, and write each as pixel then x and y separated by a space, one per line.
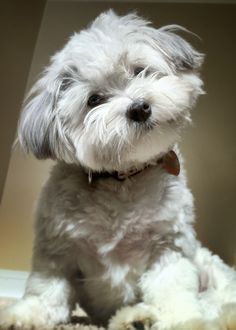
pixel 12 283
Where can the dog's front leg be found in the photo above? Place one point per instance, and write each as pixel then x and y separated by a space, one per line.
pixel 47 301
pixel 172 286
pixel 169 298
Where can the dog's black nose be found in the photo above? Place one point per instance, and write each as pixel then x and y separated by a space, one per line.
pixel 139 111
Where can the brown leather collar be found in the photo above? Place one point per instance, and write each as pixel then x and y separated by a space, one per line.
pixel 169 162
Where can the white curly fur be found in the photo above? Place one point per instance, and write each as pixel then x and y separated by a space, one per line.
pixel 125 250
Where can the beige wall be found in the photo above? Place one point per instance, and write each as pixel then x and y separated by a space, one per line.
pixel 209 146
pixel 20 23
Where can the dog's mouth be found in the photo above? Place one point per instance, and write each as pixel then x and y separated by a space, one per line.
pixel 145 126
pixel 150 125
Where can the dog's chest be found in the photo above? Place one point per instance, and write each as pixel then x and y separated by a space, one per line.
pixel 120 240
pixel 120 225
pixel 112 223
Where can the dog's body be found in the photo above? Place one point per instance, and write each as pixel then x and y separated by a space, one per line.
pixel 114 102
pixel 113 231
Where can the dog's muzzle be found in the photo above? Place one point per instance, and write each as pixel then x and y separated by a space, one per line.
pixel 139 111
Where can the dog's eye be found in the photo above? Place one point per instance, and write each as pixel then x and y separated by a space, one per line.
pixel 138 70
pixel 95 99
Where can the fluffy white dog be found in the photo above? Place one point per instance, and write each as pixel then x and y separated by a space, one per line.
pixel 114 224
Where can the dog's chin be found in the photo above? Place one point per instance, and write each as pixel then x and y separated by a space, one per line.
pixel 151 142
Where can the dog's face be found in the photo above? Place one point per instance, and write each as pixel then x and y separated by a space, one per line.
pixel 117 94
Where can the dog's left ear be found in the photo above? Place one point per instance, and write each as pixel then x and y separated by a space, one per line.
pixel 177 51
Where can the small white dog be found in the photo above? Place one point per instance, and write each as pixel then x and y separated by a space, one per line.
pixel 114 224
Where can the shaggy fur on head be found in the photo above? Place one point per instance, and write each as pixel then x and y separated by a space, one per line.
pixel 57 121
pixel 115 100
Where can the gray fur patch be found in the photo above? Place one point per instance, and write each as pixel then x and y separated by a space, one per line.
pixel 38 130
pixel 183 55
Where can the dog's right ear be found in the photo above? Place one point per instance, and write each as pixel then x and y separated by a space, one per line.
pixel 40 128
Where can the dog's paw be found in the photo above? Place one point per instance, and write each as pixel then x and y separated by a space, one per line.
pixel 137 317
pixel 228 317
pixel 11 318
pixel 22 315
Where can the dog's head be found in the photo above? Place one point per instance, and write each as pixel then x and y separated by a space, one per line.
pixel 117 94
